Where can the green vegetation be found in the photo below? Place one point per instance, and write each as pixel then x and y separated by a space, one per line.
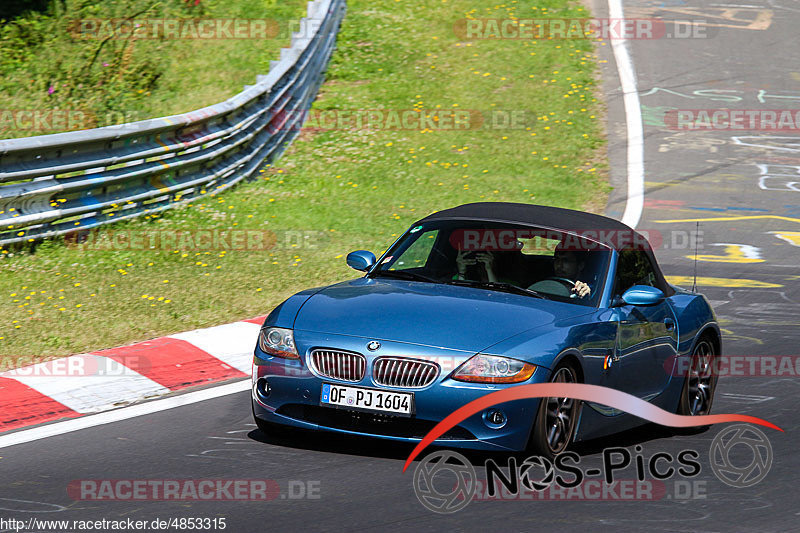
pixel 343 189
pixel 51 60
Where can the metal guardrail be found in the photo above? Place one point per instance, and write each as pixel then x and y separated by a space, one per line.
pixel 56 184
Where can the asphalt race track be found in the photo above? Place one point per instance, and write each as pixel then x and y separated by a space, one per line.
pixel 743 185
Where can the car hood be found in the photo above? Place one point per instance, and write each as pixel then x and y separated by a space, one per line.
pixel 444 316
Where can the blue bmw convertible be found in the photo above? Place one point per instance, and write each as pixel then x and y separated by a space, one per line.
pixel 477 298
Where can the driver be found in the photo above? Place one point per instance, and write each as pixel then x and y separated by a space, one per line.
pixel 567 264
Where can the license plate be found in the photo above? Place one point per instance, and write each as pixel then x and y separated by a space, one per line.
pixel 359 398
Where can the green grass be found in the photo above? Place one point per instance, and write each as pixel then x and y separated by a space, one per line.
pixel 43 66
pixel 347 189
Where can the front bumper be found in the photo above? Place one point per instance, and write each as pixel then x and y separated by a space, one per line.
pixel 293 399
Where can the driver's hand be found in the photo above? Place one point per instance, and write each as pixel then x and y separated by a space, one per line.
pixel 581 289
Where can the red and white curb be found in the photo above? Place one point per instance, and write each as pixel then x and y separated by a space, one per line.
pixel 99 381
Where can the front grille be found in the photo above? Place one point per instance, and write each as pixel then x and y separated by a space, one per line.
pixel 346 366
pixel 401 372
pixel 372 423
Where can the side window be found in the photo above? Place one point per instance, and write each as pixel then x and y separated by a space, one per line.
pixel 633 268
pixel 416 255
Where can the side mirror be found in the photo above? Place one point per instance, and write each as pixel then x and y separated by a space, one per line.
pixel 643 295
pixel 361 260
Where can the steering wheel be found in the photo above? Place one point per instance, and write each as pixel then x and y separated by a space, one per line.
pixel 568 282
pixel 556 286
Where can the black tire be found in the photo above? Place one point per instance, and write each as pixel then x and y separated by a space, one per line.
pixel 556 418
pixel 697 394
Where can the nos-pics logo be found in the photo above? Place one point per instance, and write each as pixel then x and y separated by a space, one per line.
pixel 445 481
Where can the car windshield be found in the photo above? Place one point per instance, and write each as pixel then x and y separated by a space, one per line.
pixel 503 257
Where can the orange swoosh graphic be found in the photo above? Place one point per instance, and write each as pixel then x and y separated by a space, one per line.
pixel 579 391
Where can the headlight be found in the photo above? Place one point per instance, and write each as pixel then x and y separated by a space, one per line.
pixel 483 368
pixel 278 342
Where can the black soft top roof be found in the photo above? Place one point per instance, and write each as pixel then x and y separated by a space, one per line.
pixel 555 218
pixel 545 216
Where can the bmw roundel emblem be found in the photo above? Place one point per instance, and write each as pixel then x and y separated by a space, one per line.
pixel 374 345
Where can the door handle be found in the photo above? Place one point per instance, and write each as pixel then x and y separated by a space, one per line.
pixel 669 323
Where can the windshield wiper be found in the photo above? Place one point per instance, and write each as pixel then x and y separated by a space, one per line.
pixel 404 274
pixel 498 286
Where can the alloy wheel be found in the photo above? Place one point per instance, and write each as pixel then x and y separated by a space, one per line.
pixel 560 413
pixel 700 389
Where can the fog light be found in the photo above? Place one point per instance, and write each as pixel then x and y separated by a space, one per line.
pixel 494 418
pixel 262 389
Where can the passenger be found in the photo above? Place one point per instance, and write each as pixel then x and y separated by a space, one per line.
pixel 485 266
